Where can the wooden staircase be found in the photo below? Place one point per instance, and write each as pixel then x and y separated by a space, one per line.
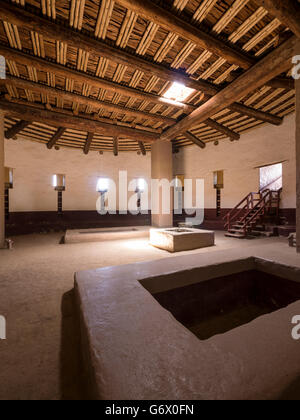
pixel 257 214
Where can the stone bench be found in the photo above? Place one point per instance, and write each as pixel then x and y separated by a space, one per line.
pixel 107 234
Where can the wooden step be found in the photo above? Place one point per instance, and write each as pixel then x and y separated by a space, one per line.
pixel 235 235
pixel 262 233
pixel 236 231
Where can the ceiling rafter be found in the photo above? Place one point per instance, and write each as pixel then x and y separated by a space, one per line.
pixel 88 143
pixel 150 11
pixel 85 100
pixel 64 119
pixel 275 63
pixel 47 66
pixel 54 139
pixel 287 11
pixel 16 129
pixel 119 68
pixel 146 9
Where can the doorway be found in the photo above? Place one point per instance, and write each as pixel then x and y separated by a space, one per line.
pixel 271 177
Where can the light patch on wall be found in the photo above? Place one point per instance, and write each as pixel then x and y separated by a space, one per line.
pixel 271 177
pixel 141 185
pixel 59 182
pixel 102 185
pixel 178 92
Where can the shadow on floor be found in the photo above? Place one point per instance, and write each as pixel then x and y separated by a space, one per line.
pixel 70 378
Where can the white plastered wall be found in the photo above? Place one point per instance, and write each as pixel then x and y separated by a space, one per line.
pixel 240 161
pixel 34 166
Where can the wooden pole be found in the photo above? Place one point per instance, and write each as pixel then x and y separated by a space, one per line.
pixel 15 129
pixel 194 139
pixel 55 137
pixel 88 143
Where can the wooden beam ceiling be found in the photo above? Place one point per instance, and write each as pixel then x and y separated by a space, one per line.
pixel 194 139
pixel 88 143
pixel 84 100
pixel 54 139
pixel 150 11
pixel 59 70
pixel 46 66
pixel 287 11
pixel 275 63
pixel 60 31
pixel 146 9
pixel 17 128
pixel 54 30
pixel 68 120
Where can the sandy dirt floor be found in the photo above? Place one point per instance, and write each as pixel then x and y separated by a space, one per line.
pixel 39 359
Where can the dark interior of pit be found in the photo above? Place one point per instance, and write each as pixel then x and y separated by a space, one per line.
pixel 219 305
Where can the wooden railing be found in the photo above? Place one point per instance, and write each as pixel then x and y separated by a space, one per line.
pixel 247 206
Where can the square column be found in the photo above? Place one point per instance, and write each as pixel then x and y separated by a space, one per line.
pixel 2 175
pixel 161 170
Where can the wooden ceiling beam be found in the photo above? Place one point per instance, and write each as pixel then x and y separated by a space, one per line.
pixel 59 119
pixel 76 39
pixel 45 66
pixel 32 22
pixel 15 129
pixel 84 100
pixel 142 148
pixel 272 65
pixel 222 129
pixel 54 139
pixel 116 146
pixel 151 12
pixel 88 143
pixel 287 83
pixel 287 11
pixel 195 139
pixel 66 72
pixel 256 113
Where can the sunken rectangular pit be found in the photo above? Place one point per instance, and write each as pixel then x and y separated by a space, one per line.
pixel 181 239
pixel 221 304
pixel 217 331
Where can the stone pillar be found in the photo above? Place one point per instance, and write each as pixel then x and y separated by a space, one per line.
pixel 298 151
pixel 2 208
pixel 162 168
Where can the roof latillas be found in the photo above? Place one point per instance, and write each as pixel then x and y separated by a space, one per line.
pixel 110 63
